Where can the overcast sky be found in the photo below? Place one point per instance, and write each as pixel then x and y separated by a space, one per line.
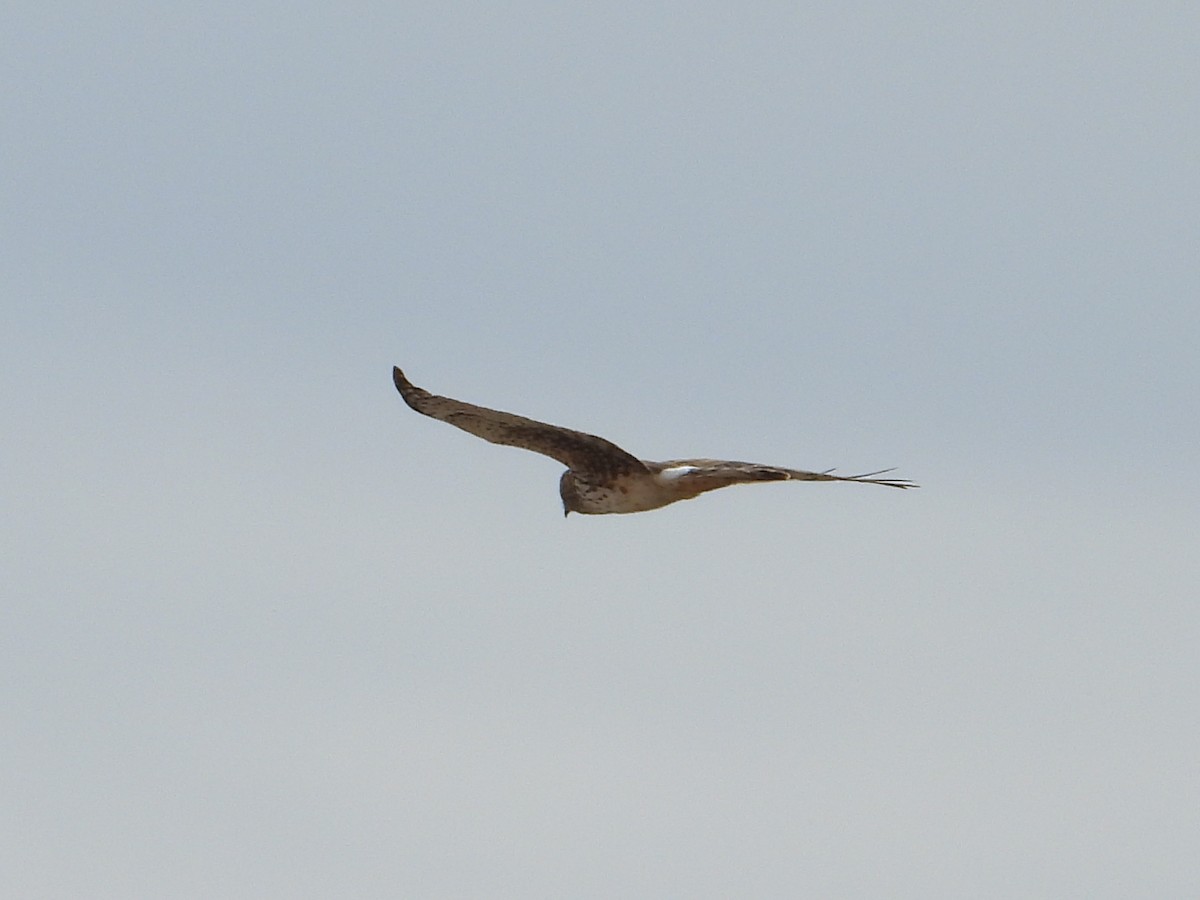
pixel 265 632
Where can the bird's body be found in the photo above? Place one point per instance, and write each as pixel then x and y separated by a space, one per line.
pixel 601 477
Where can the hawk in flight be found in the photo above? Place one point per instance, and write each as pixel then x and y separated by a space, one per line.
pixel 601 477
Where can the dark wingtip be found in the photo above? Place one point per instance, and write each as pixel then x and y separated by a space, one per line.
pixel 398 378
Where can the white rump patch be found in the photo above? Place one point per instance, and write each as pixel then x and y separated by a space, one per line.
pixel 676 472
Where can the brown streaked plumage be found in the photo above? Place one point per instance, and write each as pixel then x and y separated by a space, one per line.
pixel 601 477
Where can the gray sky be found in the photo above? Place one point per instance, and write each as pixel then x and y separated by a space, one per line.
pixel 265 632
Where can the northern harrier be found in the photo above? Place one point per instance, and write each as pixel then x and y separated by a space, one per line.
pixel 601 477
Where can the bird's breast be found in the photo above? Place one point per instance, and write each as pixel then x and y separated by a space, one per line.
pixel 622 494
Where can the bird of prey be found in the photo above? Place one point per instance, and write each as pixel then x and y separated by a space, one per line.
pixel 601 477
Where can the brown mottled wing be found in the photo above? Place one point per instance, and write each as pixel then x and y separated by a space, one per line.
pixel 710 474
pixel 584 453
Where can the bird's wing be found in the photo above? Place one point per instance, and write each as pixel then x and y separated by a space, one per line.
pixel 584 453
pixel 709 474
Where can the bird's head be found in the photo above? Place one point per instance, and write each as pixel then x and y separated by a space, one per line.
pixel 569 493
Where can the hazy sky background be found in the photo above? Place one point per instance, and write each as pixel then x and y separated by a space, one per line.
pixel 267 633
